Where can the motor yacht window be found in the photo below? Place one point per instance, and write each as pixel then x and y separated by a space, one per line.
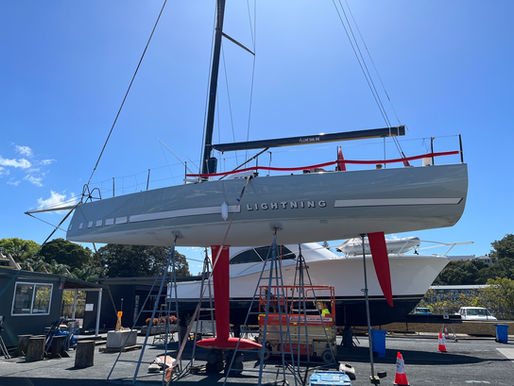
pixel 259 254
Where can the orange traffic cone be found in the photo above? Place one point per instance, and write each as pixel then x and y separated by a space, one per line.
pixel 442 342
pixel 400 379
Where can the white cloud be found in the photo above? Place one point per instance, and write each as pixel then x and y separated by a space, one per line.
pixel 56 200
pixel 15 163
pixel 32 170
pixel 13 182
pixel 24 150
pixel 38 181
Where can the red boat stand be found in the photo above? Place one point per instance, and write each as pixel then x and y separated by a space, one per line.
pixel 221 283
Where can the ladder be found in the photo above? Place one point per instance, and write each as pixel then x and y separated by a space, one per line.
pixel 162 337
pixel 273 279
pixel 167 275
pixel 299 283
pixel 196 325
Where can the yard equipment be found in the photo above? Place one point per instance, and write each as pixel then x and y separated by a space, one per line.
pixel 309 314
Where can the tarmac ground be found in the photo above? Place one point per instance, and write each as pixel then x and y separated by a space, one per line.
pixel 467 361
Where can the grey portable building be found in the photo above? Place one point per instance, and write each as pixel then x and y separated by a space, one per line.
pixel 31 301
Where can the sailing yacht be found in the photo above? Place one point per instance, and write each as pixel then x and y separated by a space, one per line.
pixel 312 205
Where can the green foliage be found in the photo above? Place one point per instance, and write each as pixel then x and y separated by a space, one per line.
pixel 499 297
pixel 503 248
pixel 450 302
pixel 63 257
pixel 59 257
pixel 478 272
pixel 461 272
pixel 66 252
pixel 128 260
pixel 19 249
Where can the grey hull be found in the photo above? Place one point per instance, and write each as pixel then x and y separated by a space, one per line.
pixel 306 207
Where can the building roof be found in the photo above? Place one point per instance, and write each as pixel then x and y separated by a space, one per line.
pixel 143 279
pixel 458 287
pixel 67 282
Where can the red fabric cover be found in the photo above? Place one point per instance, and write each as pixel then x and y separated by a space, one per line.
pixel 378 248
pixel 341 165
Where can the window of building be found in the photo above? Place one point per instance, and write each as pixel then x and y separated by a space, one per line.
pixel 32 299
pixel 259 254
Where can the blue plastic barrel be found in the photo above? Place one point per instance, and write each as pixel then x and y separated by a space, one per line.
pixel 379 342
pixel 320 378
pixel 502 333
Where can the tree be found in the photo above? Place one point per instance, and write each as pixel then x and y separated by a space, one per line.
pixel 503 248
pixel 66 252
pixel 20 250
pixel 129 260
pixel 461 272
pixel 499 297
pixel 478 272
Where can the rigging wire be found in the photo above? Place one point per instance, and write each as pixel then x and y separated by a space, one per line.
pixel 207 90
pixel 128 90
pixel 250 20
pixel 56 227
pixel 395 140
pixel 372 62
pixel 254 41
pixel 228 97
pixel 364 67
pixel 368 81
pixel 384 89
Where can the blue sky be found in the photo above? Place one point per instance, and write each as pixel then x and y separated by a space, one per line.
pixel 447 66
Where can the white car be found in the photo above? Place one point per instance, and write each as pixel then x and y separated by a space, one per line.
pixel 475 313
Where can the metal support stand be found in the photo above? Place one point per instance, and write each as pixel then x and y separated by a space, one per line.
pixel 165 276
pixel 373 378
pixel 198 318
pixel 274 276
pixel 3 349
pixel 301 270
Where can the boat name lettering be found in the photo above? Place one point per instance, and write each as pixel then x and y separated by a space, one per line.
pixel 309 139
pixel 286 205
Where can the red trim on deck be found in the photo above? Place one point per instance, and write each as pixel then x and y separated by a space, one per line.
pixel 310 167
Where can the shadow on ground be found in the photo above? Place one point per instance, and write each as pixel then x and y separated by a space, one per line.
pixel 413 357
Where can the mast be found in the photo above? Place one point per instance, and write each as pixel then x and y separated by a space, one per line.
pixel 208 163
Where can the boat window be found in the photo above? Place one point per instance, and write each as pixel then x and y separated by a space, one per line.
pixel 32 299
pixel 259 254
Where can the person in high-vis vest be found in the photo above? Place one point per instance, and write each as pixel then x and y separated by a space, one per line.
pixel 325 311
pixel 323 308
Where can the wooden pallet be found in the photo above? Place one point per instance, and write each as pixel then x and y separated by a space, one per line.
pixel 117 349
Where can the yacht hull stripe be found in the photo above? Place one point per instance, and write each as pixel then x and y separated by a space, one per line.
pixel 397 202
pixel 182 213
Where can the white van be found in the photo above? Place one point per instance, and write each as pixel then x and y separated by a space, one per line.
pixel 475 313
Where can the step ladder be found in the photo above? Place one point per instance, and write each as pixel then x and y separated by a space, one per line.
pixel 196 325
pixel 167 276
pixel 162 337
pixel 301 284
pixel 271 278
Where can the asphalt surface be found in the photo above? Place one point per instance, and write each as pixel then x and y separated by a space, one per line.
pixel 468 361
